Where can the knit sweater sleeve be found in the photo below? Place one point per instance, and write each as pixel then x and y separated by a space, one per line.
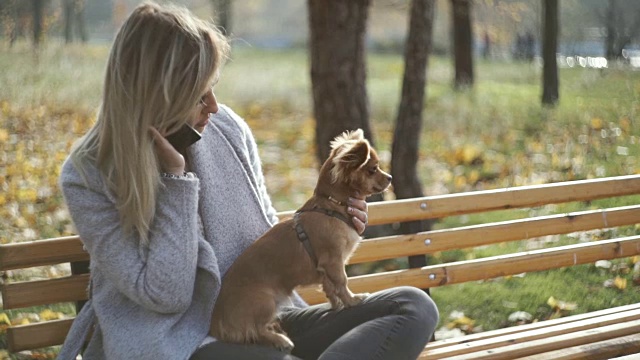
pixel 161 277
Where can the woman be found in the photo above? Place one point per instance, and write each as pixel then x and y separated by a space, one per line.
pixel 162 225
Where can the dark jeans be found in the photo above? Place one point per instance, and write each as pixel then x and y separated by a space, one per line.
pixel 391 324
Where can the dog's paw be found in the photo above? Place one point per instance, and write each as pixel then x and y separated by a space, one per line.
pixel 357 299
pixel 336 303
pixel 284 343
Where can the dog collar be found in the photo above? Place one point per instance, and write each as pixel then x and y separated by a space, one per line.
pixel 302 235
pixel 335 201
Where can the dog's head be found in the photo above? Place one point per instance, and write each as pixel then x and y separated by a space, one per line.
pixel 356 164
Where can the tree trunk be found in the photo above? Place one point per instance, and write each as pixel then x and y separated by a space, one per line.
pixel 338 71
pixel 15 29
pixel 80 20
pixel 222 14
pixel 610 39
pixel 406 137
pixel 38 9
pixel 550 95
pixel 462 43
pixel 68 20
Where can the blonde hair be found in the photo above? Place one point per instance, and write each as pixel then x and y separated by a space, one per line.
pixel 162 61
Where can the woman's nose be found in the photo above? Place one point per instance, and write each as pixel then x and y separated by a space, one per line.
pixel 212 103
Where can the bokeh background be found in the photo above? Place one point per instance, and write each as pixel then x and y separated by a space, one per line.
pixel 492 134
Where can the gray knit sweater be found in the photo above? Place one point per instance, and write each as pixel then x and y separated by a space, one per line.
pixel 155 302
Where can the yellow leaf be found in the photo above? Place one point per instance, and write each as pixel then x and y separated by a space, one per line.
pixel 460 182
pixel 4 319
pixel 20 321
pixel 620 283
pixel 27 195
pixel 470 153
pixel 561 305
pixel 474 176
pixel 625 124
pixel 4 135
pixel 48 314
pixel 463 320
pixel 597 123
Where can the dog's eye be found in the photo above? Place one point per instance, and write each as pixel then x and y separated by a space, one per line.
pixel 373 170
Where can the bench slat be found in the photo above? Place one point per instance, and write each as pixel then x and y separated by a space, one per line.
pixel 60 250
pixel 74 288
pixel 42 292
pixel 33 336
pixel 554 343
pixel 530 335
pixel 486 234
pixel 432 207
pixel 42 252
pixel 488 268
pixel 513 330
pixel 601 350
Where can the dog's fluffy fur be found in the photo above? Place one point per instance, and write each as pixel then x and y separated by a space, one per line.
pixel 265 275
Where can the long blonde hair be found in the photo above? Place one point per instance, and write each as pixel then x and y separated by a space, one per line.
pixel 162 61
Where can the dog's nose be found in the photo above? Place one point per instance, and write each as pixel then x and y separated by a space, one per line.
pixel 389 177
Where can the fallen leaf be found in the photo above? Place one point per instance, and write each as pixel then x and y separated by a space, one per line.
pixel 520 316
pixel 597 123
pixel 620 283
pixel 561 305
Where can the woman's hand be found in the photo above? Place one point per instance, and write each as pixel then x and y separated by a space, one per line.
pixel 359 210
pixel 171 161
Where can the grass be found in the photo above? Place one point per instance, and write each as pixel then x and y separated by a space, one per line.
pixel 496 135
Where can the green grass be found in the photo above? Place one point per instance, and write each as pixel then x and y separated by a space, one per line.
pixel 495 135
pixel 491 302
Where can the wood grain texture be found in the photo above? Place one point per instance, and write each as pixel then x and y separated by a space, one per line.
pixel 33 336
pixel 488 268
pixel 43 292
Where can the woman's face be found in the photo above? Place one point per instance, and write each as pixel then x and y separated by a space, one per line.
pixel 207 105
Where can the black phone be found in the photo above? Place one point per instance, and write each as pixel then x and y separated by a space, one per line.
pixel 184 137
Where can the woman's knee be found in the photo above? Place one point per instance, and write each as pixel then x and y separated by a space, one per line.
pixel 415 303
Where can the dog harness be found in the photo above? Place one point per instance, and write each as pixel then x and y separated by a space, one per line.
pixel 302 235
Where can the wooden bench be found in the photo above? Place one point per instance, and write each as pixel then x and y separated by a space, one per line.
pixel 596 335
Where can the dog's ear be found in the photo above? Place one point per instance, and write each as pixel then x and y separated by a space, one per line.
pixel 357 155
pixel 349 157
pixel 347 136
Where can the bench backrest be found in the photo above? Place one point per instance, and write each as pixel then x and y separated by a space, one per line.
pixel 72 288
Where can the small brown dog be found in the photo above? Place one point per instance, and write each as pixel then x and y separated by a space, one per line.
pixel 311 248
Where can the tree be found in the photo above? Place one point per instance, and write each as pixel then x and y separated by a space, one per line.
pixel 462 43
pixel 622 27
pixel 74 17
pixel 222 14
pixel 338 71
pixel 406 137
pixel 550 95
pixel 38 10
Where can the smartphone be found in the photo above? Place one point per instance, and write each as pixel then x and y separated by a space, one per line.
pixel 184 137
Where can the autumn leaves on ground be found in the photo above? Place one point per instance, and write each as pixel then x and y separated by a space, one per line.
pixel 496 135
